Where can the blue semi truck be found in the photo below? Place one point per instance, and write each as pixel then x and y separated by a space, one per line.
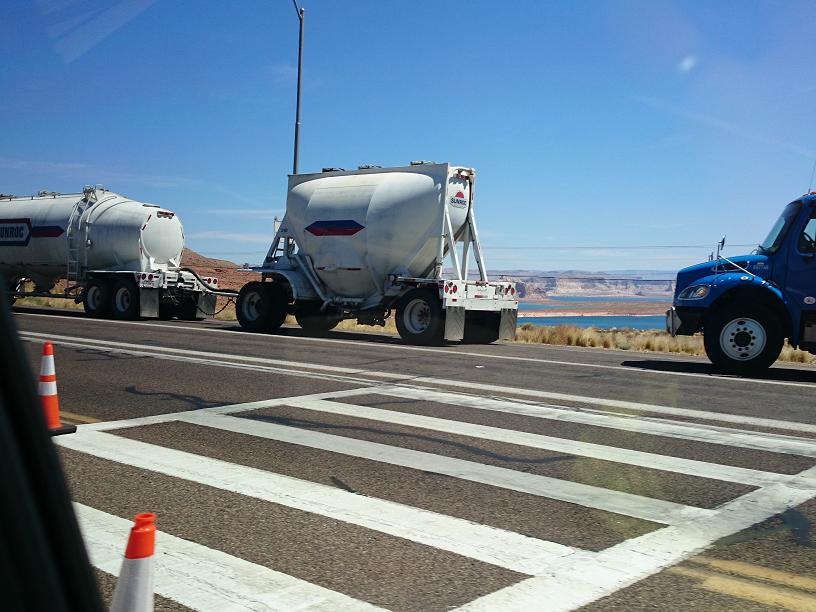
pixel 747 305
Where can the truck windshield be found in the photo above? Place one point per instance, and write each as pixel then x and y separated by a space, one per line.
pixel 777 234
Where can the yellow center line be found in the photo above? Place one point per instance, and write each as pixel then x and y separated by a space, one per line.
pixel 742 588
pixel 79 418
pixel 749 570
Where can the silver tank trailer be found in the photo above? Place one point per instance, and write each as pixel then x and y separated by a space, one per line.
pixel 100 229
pixel 364 243
pixel 358 229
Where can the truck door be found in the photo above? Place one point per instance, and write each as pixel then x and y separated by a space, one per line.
pixel 800 283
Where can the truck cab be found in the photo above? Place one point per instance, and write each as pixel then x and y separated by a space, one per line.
pixel 747 305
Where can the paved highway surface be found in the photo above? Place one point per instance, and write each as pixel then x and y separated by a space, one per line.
pixel 352 472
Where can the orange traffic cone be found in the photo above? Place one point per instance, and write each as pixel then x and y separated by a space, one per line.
pixel 134 587
pixel 48 393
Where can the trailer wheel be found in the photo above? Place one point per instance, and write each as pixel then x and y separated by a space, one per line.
pixel 315 322
pixel 743 338
pixel 96 299
pixel 261 307
pixel 481 327
pixel 420 318
pixel 125 300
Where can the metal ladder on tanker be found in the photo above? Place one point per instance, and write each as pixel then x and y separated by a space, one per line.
pixel 73 273
pixel 278 247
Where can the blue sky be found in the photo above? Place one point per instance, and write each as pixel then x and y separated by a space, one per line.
pixel 592 124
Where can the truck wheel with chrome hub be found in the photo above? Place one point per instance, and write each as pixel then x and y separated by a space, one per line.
pixel 420 317
pixel 743 338
pixel 125 300
pixel 261 307
pixel 96 299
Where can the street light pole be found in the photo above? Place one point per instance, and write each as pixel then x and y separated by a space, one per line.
pixel 301 13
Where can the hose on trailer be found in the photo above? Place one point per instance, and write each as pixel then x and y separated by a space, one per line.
pixel 223 292
pixel 230 293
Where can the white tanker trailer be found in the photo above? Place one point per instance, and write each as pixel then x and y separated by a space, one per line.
pixel 119 257
pixel 362 244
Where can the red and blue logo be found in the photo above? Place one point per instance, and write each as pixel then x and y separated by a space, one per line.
pixel 459 199
pixel 343 227
pixel 18 232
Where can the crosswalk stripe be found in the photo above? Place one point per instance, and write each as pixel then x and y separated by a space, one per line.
pixel 488 544
pixel 203 578
pixel 581 580
pixel 628 504
pixel 573 447
pixel 702 433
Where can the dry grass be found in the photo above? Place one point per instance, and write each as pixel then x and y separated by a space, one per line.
pixel 561 335
pixel 46 302
pixel 351 325
pixel 631 340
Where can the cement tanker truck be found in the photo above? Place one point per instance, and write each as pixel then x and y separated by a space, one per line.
pixel 369 243
pixel 119 257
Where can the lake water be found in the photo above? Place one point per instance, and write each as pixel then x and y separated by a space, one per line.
pixel 570 302
pixel 647 322
pixel 611 298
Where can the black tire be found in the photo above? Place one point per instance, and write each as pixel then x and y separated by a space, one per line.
pixel 261 307
pixel 96 299
pixel 743 338
pixel 124 300
pixel 314 322
pixel 420 317
pixel 481 327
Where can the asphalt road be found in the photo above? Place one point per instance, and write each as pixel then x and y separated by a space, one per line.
pixel 352 472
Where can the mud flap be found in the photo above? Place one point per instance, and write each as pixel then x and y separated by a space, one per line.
pixel 454 323
pixel 149 303
pixel 206 304
pixel 507 326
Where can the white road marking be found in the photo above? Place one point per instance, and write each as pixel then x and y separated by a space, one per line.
pixel 203 578
pixel 297 369
pixel 448 351
pixel 488 544
pixel 574 447
pixel 628 504
pixel 175 416
pixel 563 445
pixel 295 372
pixel 189 354
pixel 580 580
pixel 565 578
pixel 700 433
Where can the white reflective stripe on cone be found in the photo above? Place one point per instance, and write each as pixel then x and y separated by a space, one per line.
pixel 47 366
pixel 47 388
pixel 134 588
